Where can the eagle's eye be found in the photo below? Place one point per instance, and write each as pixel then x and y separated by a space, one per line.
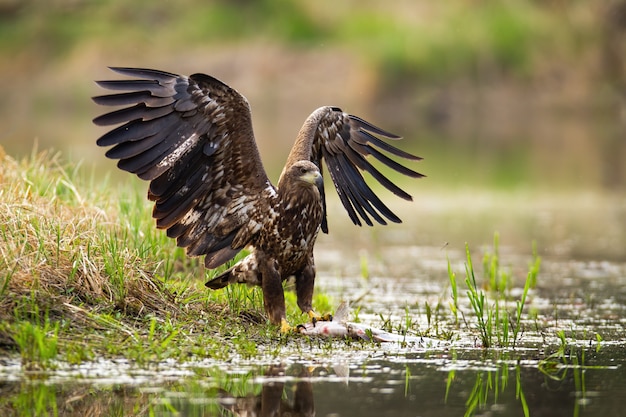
pixel 303 170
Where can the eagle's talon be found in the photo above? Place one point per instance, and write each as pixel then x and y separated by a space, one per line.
pixel 285 328
pixel 316 317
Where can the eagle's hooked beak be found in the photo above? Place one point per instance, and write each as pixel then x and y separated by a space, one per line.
pixel 315 178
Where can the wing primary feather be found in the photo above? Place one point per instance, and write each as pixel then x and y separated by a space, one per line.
pixel 334 170
pixel 136 130
pixel 165 155
pixel 364 195
pixel 145 73
pixel 358 192
pixel 373 198
pixel 324 225
pixel 154 87
pixel 135 97
pixel 358 160
pixel 138 111
pixel 176 230
pixel 218 250
pixel 149 159
pixel 375 129
pixel 368 137
pixel 131 131
pixel 132 148
pixel 127 85
pixel 387 183
pixel 349 179
pixel 396 166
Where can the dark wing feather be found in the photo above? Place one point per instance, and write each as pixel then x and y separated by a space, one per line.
pixel 345 142
pixel 192 138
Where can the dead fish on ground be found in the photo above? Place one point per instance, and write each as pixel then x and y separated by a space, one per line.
pixel 339 327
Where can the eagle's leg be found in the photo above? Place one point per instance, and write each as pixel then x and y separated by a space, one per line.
pixel 273 296
pixel 305 283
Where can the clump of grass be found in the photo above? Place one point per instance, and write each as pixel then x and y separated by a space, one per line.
pixel 61 247
pixel 476 296
pixel 37 342
pixel 58 240
pixel 454 304
pixel 242 298
pixel 497 324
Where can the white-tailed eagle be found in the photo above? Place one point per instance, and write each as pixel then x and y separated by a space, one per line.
pixel 192 138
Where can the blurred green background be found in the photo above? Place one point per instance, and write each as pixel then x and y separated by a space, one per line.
pixel 493 94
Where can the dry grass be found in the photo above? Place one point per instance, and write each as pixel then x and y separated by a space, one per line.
pixel 47 239
pixel 70 251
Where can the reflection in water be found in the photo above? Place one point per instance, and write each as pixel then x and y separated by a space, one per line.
pixel 271 402
pixel 443 383
pixel 490 386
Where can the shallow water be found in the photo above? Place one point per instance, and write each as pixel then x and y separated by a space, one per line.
pixel 388 383
pixel 393 277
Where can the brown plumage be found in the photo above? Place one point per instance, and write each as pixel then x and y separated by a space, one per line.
pixel 192 138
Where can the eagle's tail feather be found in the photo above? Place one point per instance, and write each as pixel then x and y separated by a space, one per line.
pixel 243 272
pixel 221 280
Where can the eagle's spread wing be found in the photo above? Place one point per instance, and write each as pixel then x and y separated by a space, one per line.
pixel 345 141
pixel 192 138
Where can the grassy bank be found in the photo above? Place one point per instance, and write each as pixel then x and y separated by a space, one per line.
pixel 84 272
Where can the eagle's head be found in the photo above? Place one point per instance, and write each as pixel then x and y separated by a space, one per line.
pixel 305 173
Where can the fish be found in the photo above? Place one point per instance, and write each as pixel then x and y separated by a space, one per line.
pixel 340 328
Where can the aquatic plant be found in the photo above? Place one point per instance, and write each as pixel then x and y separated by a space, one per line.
pixel 454 304
pixel 477 301
pixel 496 324
pixel 37 342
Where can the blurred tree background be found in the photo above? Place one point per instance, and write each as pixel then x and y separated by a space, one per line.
pixel 496 94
